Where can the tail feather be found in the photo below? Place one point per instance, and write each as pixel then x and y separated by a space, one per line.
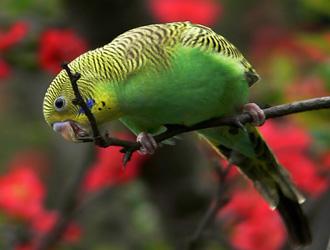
pixel 294 219
pixel 269 178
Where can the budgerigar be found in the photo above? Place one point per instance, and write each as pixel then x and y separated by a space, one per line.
pixel 176 74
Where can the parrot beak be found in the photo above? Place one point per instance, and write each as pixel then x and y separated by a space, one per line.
pixel 70 130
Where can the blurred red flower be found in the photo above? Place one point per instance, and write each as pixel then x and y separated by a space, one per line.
pixel 244 204
pixel 21 193
pixel 4 69
pixel 72 233
pixel 254 226
pixel 290 143
pixel 305 172
pixel 205 12
pixel 259 233
pixel 58 46
pixel 285 136
pixel 14 35
pixel 45 220
pixel 8 39
pixel 108 168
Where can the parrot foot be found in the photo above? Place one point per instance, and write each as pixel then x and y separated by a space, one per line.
pixel 148 143
pixel 257 114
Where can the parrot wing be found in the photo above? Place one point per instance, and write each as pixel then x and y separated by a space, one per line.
pixel 207 40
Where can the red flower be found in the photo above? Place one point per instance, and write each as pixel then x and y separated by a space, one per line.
pixel 285 136
pixel 108 169
pixel 4 69
pixel 72 233
pixel 21 193
pixel 244 204
pixel 304 172
pixel 292 152
pixel 15 34
pixel 259 233
pixel 254 226
pixel 58 46
pixel 204 12
pixel 8 39
pixel 45 221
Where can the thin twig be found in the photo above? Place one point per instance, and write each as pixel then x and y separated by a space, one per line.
pixel 66 210
pixel 237 120
pixel 221 199
pixel 79 100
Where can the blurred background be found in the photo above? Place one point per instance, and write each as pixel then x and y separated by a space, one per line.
pixel 157 202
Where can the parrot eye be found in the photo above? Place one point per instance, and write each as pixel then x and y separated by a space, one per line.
pixel 59 103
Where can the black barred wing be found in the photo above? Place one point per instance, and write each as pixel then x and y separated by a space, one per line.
pixel 206 39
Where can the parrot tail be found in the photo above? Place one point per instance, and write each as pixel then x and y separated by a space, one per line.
pixel 269 177
pixel 294 219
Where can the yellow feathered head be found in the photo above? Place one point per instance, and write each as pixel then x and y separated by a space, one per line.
pixel 61 113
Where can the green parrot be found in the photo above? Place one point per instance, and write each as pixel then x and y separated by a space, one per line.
pixel 178 73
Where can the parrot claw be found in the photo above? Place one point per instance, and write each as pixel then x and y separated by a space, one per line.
pixel 257 114
pixel 148 143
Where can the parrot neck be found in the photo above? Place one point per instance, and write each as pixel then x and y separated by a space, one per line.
pixel 106 106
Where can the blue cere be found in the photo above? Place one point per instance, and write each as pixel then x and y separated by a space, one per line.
pixel 90 103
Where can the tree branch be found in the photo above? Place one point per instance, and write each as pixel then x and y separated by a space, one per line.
pixel 237 120
pixel 66 210
pixel 79 100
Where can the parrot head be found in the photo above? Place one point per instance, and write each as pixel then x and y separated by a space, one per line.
pixel 60 112
pixel 69 119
